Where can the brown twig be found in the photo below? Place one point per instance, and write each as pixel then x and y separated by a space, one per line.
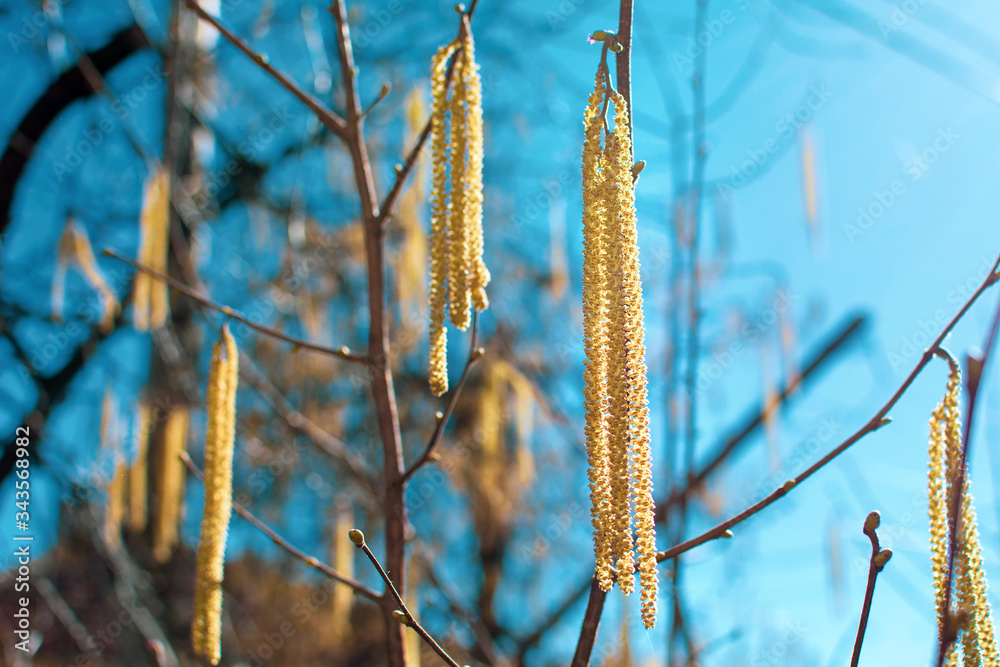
pixel 359 541
pixel 311 561
pixel 836 342
pixel 878 560
pixel 974 374
pixel 325 115
pixel 300 423
pixel 342 353
pixel 442 418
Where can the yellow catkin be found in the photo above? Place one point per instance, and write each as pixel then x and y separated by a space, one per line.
pixel 978 641
pixel 616 393
pixel 206 630
pixel 412 643
pixel 150 306
pixel 479 275
pixel 170 482
pixel 595 325
pixel 438 290
pixel 618 407
pixel 75 248
pixel 459 250
pixel 637 392
pixel 138 472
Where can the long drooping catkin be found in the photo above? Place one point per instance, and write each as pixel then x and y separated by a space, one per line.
pixel 638 404
pixel 458 273
pixel 595 327
pixel 978 641
pixel 459 293
pixel 221 402
pixel 615 394
pixel 479 275
pixel 438 291
pixel 150 306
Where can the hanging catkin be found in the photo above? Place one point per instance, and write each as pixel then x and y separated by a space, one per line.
pixel 138 472
pixel 978 641
pixel 150 307
pixel 221 403
pixel 170 484
pixel 458 274
pixel 615 394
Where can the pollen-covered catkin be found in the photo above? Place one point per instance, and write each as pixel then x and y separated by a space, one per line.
pixel 459 292
pixel 615 392
pixel 479 275
pixel 637 398
pixel 150 305
pixel 595 327
pixel 438 291
pixel 458 273
pixel 978 641
pixel 221 402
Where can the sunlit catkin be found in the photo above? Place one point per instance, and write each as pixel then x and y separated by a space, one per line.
pixel 479 275
pixel 615 394
pixel 638 404
pixel 221 403
pixel 458 273
pixel 978 641
pixel 438 291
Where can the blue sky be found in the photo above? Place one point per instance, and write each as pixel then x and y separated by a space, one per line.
pixel 902 110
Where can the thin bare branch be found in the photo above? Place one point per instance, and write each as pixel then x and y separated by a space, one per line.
pixel 311 561
pixel 342 353
pixel 878 560
pixel 442 418
pixel 410 620
pixel 325 115
pixel 879 420
pixel 973 376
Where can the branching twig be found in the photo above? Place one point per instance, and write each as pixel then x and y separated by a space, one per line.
pixel 325 115
pixel 880 419
pixel 403 171
pixel 343 352
pixel 442 418
pixel 974 374
pixel 878 560
pixel 311 561
pixel 407 617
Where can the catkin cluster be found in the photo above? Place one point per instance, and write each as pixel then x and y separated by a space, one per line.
pixel 615 395
pixel 458 275
pixel 221 403
pixel 978 642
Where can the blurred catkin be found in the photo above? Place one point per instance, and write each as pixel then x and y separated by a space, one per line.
pixel 150 307
pixel 978 639
pixel 221 402
pixel 458 274
pixel 138 472
pixel 615 395
pixel 170 484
